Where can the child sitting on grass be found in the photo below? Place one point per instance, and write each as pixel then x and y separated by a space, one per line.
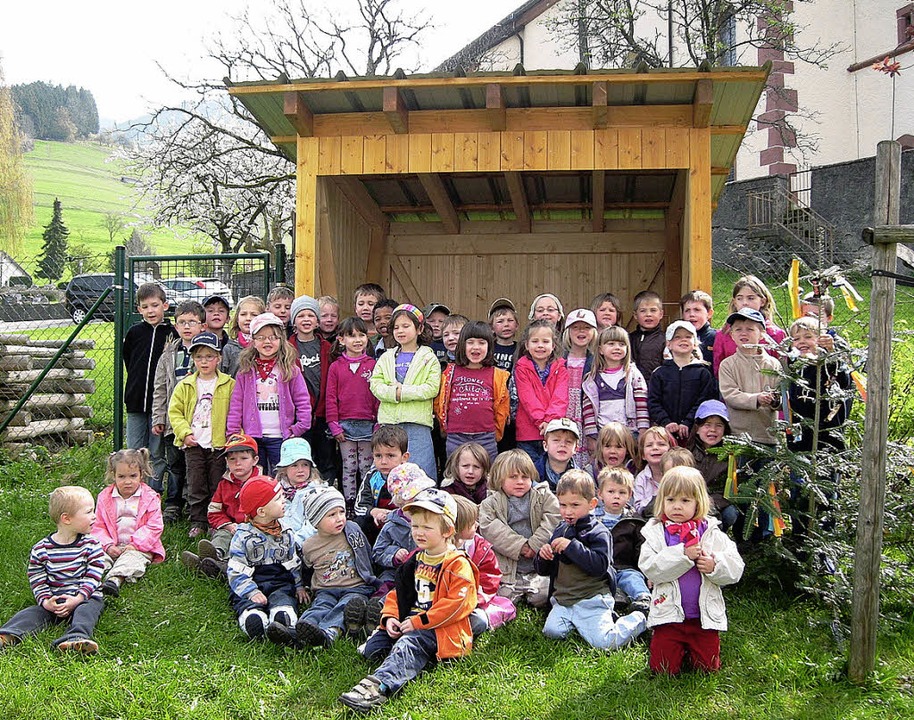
pixel 264 570
pixel 65 571
pixel 560 439
pixel 578 562
pixel 427 615
pixel 128 520
pixel 467 472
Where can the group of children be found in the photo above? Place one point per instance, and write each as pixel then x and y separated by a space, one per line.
pixel 576 469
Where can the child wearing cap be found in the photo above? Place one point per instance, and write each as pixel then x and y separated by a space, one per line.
pixel 338 566
pixel 647 338
pixel 436 315
pixel 198 412
pixel 270 401
pixel 174 365
pixel 560 440
pixel 578 562
pixel 680 384
pixel 580 342
pixel 314 361
pixel 712 424
pixel 751 293
pixel 224 513
pixel 503 320
pixel 264 570
pixel 427 614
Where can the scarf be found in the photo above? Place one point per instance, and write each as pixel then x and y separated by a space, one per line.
pixel 244 339
pixel 264 367
pixel 271 528
pixel 689 532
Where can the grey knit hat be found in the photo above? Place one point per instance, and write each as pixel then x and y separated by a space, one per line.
pixel 321 503
pixel 304 302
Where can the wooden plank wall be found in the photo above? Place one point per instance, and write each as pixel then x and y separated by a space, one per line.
pixel 343 238
pixel 468 271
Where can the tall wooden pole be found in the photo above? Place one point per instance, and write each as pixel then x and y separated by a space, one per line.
pixel 865 618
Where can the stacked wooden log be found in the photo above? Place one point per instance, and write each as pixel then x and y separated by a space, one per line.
pixel 57 410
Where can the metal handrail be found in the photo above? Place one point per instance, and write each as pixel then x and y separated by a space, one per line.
pixel 775 206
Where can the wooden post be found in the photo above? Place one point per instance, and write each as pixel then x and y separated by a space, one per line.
pixel 865 617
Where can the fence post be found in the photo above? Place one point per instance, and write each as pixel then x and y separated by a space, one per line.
pixel 279 272
pixel 865 612
pixel 120 271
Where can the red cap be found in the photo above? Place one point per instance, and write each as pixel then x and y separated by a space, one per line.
pixel 257 492
pixel 240 441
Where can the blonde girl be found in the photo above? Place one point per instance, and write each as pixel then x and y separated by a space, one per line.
pixel 128 520
pixel 579 341
pixel 239 332
pixel 467 472
pixel 749 292
pixel 541 381
pixel 688 558
pixel 653 444
pixel 614 390
pixel 270 400
pixel 615 448
pixel 406 380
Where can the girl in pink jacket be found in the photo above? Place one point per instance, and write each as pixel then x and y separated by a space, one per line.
pixel 541 382
pixel 128 520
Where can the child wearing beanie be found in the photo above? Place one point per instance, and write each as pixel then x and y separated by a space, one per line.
pixel 264 571
pixel 338 565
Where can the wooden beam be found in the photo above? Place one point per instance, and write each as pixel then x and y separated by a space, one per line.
pixel 356 193
pixel 377 248
pixel 600 98
pixel 326 269
pixel 297 112
pixel 519 200
pixel 395 110
pixel 702 102
pixel 495 107
pixel 720 170
pixel 598 200
pixel 508 207
pixel 437 193
pixel 406 282
pixel 306 217
pixel 729 129
pixel 675 287
pixel 696 252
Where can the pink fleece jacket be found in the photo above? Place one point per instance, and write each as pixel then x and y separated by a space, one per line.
pixel 538 403
pixel 349 395
pixel 147 537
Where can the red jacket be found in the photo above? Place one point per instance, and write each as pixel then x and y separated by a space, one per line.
pixel 537 403
pixel 224 507
pixel 147 537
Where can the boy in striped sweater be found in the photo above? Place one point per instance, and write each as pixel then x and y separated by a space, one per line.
pixel 65 572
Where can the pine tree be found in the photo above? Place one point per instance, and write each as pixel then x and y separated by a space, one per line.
pixel 54 251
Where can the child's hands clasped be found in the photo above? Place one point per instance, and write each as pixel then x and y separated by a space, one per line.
pixel 693 552
pixel 62 605
pixel 705 563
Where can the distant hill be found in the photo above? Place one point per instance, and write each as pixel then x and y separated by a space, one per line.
pixel 89 184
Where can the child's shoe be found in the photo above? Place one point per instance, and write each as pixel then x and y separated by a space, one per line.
pixel 111 587
pixel 280 634
pixel 373 614
pixel 82 645
pixel 190 560
pixel 205 549
pixel 641 603
pixel 354 616
pixel 310 635
pixel 365 696
pixel 171 514
pixel 215 569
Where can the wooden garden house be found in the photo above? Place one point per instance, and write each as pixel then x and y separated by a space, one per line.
pixel 461 189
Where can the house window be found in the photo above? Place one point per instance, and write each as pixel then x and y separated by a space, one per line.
pixel 727 56
pixel 905 20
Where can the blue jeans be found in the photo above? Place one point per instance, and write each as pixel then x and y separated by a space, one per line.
pixel 533 448
pixel 268 450
pixel 421 449
pixel 406 656
pixel 139 435
pixel 326 610
pixel 593 619
pixel 177 472
pixel 487 440
pixel 632 583
pixel 35 618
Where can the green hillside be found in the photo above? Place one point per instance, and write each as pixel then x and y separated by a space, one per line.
pixel 89 184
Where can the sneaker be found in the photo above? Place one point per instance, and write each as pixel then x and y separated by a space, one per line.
pixel 214 569
pixel 311 635
pixel 205 549
pixel 196 531
pixel 171 514
pixel 641 603
pixel 111 587
pixel 280 634
pixel 254 627
pixel 82 645
pixel 190 560
pixel 365 696
pixel 354 616
pixel 373 614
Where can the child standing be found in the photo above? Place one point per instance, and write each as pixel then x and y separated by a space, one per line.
pixel 615 390
pixel 697 307
pixel 385 339
pixel 688 559
pixel 65 571
pixel 406 380
pixel 246 310
pixel 329 317
pixel 217 312
pixel 472 405
pixel 264 570
pixel 352 409
pixel 436 315
pixel 518 518
pixel 578 562
pixel 652 444
pixel 270 400
pixel 198 412
pixel 712 423
pixel 467 473
pixel 492 610
pixel 751 293
pixel 128 520
pixel 607 310
pixel 647 339
pixel 541 382
pixel 364 299
pixel 580 343
pixel 450 336
pixel 427 615
pixel 279 302
pixel 503 321
pixel 681 383
pixel 561 439
pixel 547 307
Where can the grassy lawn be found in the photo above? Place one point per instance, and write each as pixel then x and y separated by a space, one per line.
pixel 170 648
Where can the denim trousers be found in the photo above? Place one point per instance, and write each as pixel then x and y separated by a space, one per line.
pixel 326 610
pixel 139 435
pixel 406 656
pixel 593 619
pixel 35 618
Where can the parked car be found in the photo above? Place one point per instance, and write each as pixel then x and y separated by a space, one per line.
pixel 200 288
pixel 83 290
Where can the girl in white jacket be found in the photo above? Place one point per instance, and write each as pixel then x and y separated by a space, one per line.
pixel 688 558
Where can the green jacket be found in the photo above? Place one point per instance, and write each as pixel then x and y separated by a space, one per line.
pixel 420 387
pixel 184 400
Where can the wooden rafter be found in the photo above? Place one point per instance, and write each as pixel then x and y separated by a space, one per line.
pixel 356 193
pixel 702 102
pixel 395 110
pixel 600 109
pixel 495 107
pixel 297 112
pixel 437 193
pixel 519 200
pixel 598 192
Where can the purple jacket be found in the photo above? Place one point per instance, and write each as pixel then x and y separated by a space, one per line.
pixel 294 406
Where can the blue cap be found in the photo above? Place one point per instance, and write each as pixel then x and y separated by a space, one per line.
pixel 293 450
pixel 712 407
pixel 747 313
pixel 210 299
pixel 206 339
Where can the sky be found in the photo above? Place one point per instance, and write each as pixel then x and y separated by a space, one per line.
pixel 112 48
